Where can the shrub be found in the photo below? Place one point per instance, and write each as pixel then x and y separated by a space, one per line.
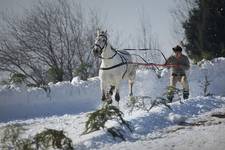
pixel 82 71
pixel 55 74
pixel 17 78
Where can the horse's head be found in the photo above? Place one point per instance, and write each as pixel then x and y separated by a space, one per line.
pixel 101 42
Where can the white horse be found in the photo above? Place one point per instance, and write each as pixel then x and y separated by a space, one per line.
pixel 115 66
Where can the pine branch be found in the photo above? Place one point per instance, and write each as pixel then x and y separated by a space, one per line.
pixel 97 120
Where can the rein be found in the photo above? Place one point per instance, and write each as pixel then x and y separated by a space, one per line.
pixel 143 64
pixel 145 49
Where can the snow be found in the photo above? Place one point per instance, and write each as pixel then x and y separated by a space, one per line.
pixel 67 105
pixel 180 138
pixel 64 98
pixel 176 118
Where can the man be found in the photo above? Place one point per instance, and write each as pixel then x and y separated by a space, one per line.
pixel 178 63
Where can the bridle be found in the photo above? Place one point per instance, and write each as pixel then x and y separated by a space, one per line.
pixel 101 48
pixel 105 40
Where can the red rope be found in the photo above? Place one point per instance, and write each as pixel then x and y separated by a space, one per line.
pixel 152 64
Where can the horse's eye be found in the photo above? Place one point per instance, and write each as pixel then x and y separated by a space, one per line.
pixel 103 40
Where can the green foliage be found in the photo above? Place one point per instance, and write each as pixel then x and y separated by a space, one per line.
pixel 204 30
pixel 208 55
pixel 171 90
pixel 25 144
pixel 97 120
pixel 53 138
pixel 11 135
pixel 174 90
pixel 49 138
pixel 4 82
pixel 82 71
pixel 55 74
pixel 17 78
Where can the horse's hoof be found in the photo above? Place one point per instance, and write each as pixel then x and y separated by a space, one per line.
pixel 117 97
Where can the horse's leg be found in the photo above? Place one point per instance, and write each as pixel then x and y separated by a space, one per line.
pixel 112 88
pixel 131 98
pixel 103 95
pixel 117 95
pixel 103 88
pixel 131 83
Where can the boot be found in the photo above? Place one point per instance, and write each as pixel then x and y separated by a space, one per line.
pixel 170 98
pixel 170 94
pixel 185 94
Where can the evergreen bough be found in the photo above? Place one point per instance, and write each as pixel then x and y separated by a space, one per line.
pixel 11 135
pixel 53 138
pixel 48 138
pixel 97 120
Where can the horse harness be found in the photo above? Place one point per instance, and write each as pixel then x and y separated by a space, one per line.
pixel 123 59
pixel 124 62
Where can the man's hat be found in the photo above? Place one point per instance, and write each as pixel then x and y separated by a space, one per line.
pixel 177 49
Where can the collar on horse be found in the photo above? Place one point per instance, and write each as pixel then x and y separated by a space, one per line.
pixel 123 59
pixel 108 68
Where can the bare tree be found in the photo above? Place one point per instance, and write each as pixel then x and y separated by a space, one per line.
pixel 51 38
pixel 179 14
pixel 92 63
pixel 147 40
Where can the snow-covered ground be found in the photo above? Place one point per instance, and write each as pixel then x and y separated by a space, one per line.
pixel 189 125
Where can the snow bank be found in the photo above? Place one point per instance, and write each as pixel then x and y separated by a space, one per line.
pixel 214 70
pixel 64 98
pixel 82 96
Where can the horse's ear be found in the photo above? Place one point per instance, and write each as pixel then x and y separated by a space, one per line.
pixel 98 31
pixel 105 31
